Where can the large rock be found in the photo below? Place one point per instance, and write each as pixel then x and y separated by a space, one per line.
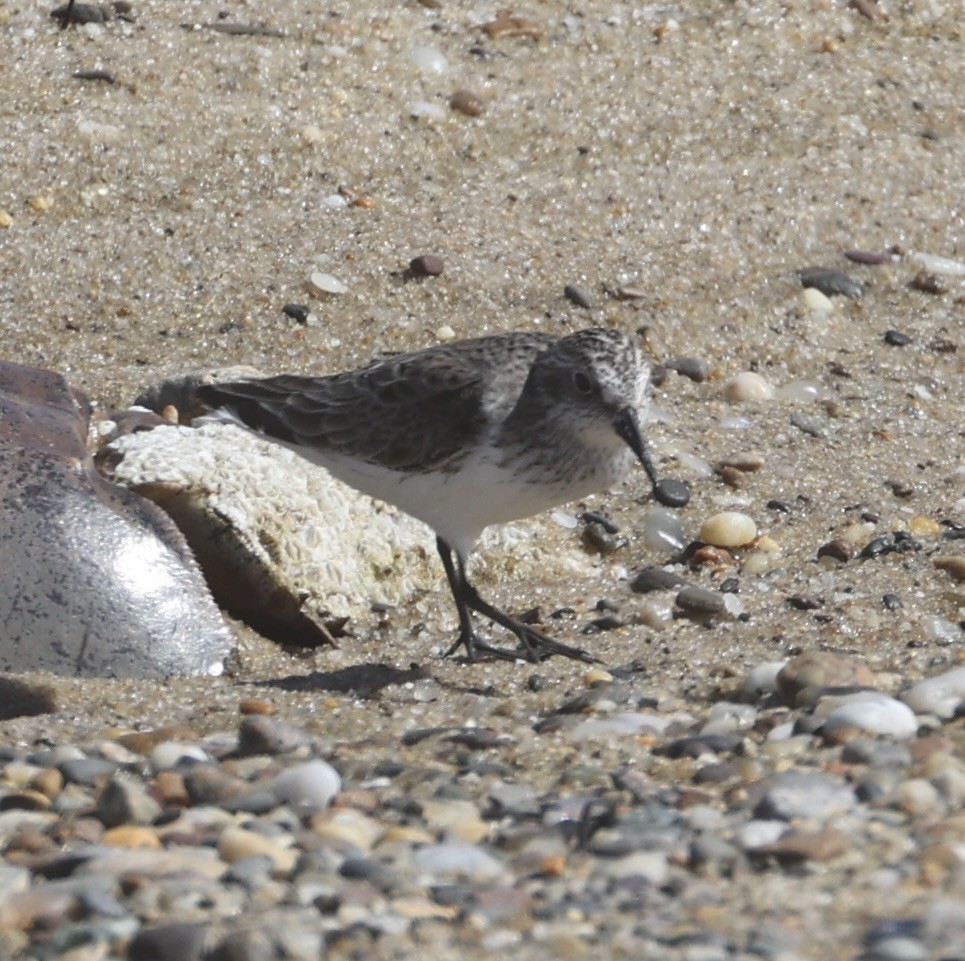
pixel 95 580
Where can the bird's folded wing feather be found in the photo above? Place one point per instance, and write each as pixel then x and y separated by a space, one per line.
pixel 415 412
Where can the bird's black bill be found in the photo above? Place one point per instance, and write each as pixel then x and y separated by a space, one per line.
pixel 669 492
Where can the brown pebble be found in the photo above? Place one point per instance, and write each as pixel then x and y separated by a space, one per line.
pixel 24 801
pixel 131 836
pixel 869 257
pixel 928 283
pixel 142 742
pixel 168 790
pixel 953 565
pixel 49 781
pixel 821 669
pixel 254 705
pixel 797 846
pixel 467 102
pixel 732 476
pixel 839 549
pixel 507 25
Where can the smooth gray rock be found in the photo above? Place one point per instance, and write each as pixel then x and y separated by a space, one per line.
pixel 96 581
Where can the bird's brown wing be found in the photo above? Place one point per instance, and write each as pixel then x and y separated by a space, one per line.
pixel 414 412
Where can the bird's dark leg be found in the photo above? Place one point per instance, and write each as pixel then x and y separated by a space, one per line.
pixel 535 646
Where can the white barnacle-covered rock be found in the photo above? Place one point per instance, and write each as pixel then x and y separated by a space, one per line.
pixel 277 537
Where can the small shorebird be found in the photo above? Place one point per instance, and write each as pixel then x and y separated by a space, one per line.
pixel 468 434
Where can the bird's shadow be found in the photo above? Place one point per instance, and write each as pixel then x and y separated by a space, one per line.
pixel 362 680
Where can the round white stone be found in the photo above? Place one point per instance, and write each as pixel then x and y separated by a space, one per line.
pixel 311 786
pixel 747 386
pixel 728 529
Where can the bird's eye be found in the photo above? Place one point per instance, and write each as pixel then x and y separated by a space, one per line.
pixel 583 383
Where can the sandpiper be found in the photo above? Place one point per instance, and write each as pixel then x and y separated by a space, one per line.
pixel 467 434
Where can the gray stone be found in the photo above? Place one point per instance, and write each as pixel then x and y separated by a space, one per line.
pixel 96 580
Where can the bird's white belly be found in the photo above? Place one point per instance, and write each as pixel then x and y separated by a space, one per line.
pixel 458 505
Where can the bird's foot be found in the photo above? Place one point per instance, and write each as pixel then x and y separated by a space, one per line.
pixel 533 646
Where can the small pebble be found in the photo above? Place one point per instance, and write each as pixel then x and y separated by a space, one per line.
pixel 320 283
pixel 656 579
pixel 955 566
pixel 693 368
pixel 942 695
pixel 297 312
pixel 728 529
pixel 671 492
pixel 308 787
pixel 578 295
pixel 426 265
pixel 747 386
pixel 816 301
pixel 699 600
pixel 830 282
pixel 429 60
pixel 895 338
pixel 468 103
pixel 881 715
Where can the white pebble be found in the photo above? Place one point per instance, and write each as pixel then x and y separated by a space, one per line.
pixel 322 283
pixel 728 529
pixel 335 202
pixel 878 715
pixel 445 332
pixel 310 786
pixel 457 860
pixel 312 134
pixel 762 679
pixel 757 834
pixel 815 301
pixel 663 530
pixel 564 519
pixel 696 465
pixel 429 60
pixel 801 391
pixel 942 631
pixel 169 754
pixel 938 265
pixel 620 725
pixel 426 110
pixel 942 695
pixel 747 386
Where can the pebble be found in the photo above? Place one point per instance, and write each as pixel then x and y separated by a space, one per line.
pixel 942 695
pixel 699 600
pixel 321 284
pixel 693 368
pixel 816 301
pixel 821 669
pixel 879 714
pixel 728 529
pixel 308 787
pixel 830 282
pixel 656 579
pixel 429 60
pixel 895 338
pixel 426 265
pixel 663 530
pixel 125 801
pixel 262 734
pixel 468 103
pixel 458 861
pixel 748 386
pixel 578 295
pixel 168 942
pixel 955 566
pixel 805 794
